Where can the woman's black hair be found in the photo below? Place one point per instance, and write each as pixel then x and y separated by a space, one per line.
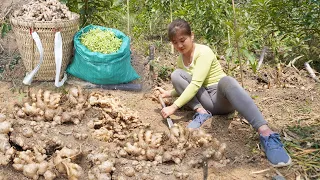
pixel 181 25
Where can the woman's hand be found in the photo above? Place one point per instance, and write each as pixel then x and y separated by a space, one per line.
pixel 167 111
pixel 163 92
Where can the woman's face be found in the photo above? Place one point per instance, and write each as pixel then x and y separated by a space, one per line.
pixel 182 43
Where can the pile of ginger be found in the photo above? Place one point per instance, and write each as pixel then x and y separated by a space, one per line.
pixel 43 10
pixel 173 146
pixel 35 163
pixel 48 106
pixel 134 140
pixel 117 121
pixel 6 151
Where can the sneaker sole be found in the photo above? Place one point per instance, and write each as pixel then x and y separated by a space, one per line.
pixel 282 164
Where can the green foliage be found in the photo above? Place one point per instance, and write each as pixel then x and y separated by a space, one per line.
pixel 291 28
pixel 304 132
pixel 288 28
pixel 215 14
pixel 303 145
pixel 14 61
pixel 251 59
pixel 91 11
pixel 5 28
pixel 151 17
pixel 163 71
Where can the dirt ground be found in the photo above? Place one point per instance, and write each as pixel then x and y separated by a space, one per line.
pixel 286 100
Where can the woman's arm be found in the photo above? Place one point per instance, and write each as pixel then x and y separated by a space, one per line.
pixel 169 93
pixel 200 72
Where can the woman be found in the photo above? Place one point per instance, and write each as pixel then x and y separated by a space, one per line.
pixel 201 84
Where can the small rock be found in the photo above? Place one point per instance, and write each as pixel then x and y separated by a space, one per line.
pixel 277 177
pixel 129 171
pixel 134 163
pixel 123 161
pixel 2 117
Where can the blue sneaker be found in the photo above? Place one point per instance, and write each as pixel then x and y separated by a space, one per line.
pixel 199 119
pixel 274 150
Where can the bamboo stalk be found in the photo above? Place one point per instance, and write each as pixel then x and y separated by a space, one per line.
pixel 171 19
pixel 237 43
pixel 128 15
pixel 229 45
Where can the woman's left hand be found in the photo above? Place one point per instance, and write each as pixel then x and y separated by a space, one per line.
pixel 167 111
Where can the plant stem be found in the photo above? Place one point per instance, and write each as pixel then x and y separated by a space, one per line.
pixel 171 19
pixel 128 13
pixel 1 48
pixel 237 43
pixel 231 58
pixel 86 15
pixel 262 56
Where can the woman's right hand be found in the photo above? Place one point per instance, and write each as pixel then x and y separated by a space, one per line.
pixel 163 92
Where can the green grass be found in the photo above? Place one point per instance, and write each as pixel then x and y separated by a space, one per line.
pixel 304 148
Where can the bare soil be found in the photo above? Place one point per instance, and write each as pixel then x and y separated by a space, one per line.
pixel 286 100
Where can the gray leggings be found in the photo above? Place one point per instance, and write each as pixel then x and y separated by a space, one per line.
pixel 221 98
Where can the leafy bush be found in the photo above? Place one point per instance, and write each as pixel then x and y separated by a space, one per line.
pixel 289 28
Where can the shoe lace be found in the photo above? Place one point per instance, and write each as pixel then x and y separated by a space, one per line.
pixel 274 142
pixel 197 118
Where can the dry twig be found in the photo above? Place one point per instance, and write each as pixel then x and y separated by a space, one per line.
pixel 310 71
pixel 261 171
pixel 1 47
pixel 262 56
pixel 291 63
pixel 6 14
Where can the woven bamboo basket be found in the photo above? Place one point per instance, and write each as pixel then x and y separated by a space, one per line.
pixel 46 31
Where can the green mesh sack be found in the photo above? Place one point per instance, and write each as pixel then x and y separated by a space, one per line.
pixel 98 68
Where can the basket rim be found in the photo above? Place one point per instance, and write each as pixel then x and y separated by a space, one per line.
pixel 45 24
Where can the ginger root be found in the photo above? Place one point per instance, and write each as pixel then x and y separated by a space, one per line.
pixel 146 146
pixel 63 162
pixel 201 139
pixel 179 136
pixel 48 106
pixel 6 151
pixel 116 122
pixel 176 156
pixel 43 10
pixel 33 164
pixel 103 166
